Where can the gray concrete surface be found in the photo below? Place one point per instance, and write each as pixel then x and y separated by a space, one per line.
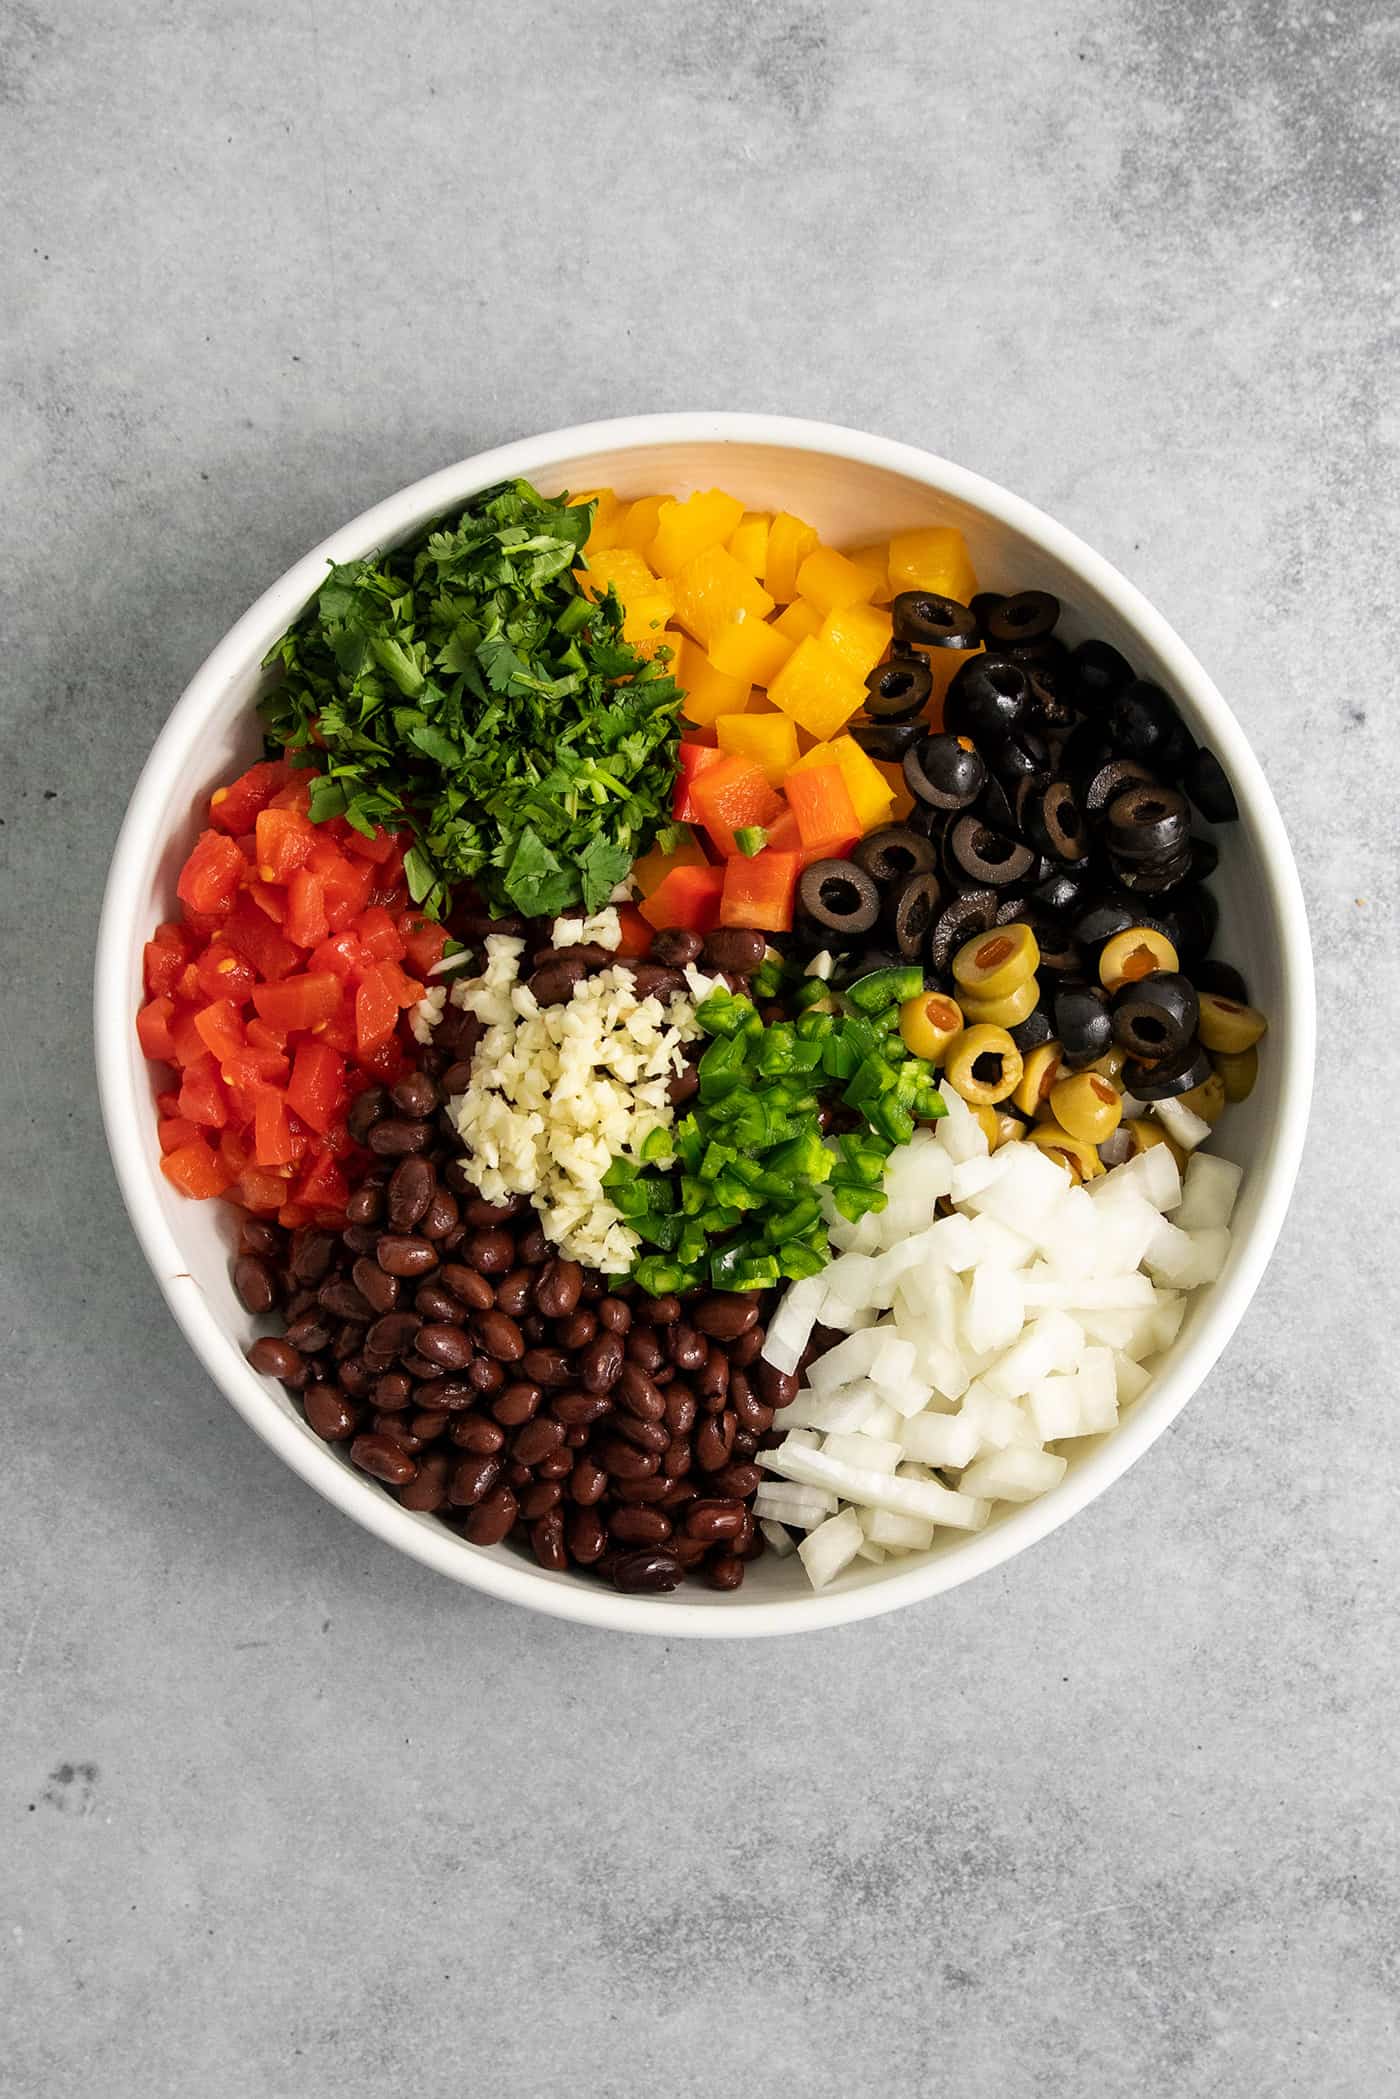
pixel 281 1814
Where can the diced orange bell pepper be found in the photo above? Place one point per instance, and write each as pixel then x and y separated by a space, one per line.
pixel 748 542
pixel 828 580
pixel 692 759
pixel 652 869
pixel 636 934
pixel 638 527
pixel 790 541
pixel 733 796
pixel 860 633
pixel 874 561
pixel 688 897
pixel 818 689
pixel 826 817
pixel 750 648
pixel 769 739
pixel 866 785
pixel 713 590
pixel 798 620
pixel 708 692
pixel 933 558
pixel 607 517
pixel 760 892
pixel 686 529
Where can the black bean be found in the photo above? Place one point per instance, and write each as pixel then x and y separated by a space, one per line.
pixel 255 1280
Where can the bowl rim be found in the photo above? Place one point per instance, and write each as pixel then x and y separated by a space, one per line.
pixel 126 1117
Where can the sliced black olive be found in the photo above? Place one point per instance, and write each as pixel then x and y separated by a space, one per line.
pixel 1148 822
pixel 975 911
pixel 1155 1016
pixel 1153 877
pixel 983 603
pixel 985 858
pixel 1060 956
pixel 1051 708
pixel 888 740
pixel 1097 672
pixel 1082 1023
pixel 1062 891
pixel 867 963
pixel 1084 750
pixel 1018 755
pixel 1196 917
pixel 1205 858
pixel 1028 1034
pixel 987 696
pixel 1107 783
pixel 945 772
pixel 997 807
pixel 1223 979
pixel 1142 723
pixel 910 912
pixel 1100 920
pixel 893 853
pixel 1055 822
pixel 1163 1080
pixel 934 622
pixel 898 690
pixel 838 901
pixel 1210 790
pixel 1025 617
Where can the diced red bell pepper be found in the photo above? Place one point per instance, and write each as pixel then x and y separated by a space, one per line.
pixel 210 878
pixel 688 897
pixel 376 1009
pixel 195 1170
pixel 220 973
pixel 251 934
pixel 220 1028
pixel 168 951
pixel 235 808
pixel 277 1139
pixel 284 841
pixel 316 1090
pixel 692 760
pixel 733 796
pixel 153 1029
pixel 175 1130
pixel 760 892
pixel 636 933
pixel 821 802
pixel 299 1002
pixel 379 936
pixel 306 924
pixel 423 942
pixel 202 1094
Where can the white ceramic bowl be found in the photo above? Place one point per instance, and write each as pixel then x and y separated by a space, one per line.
pixel 854 488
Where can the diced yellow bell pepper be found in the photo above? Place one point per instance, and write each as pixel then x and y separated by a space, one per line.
pixel 798 620
pixel 933 558
pixel 686 529
pixel 619 567
pixel 818 688
pixel 860 633
pixel 638 527
pixel 644 622
pixel 607 517
pixel 711 591
pixel 945 665
pixel 865 783
pixel 902 802
pixel 790 541
pixel 750 648
pixel 769 739
pixel 829 581
pixel 874 561
pixel 708 692
pixel 652 869
pixel 748 542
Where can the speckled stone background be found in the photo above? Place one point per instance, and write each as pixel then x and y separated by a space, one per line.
pixel 281 1813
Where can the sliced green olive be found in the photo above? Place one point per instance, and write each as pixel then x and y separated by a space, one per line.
pixel 1010 1129
pixel 1074 1153
pixel 986 1121
pixel 1008 1011
pixel 1206 1100
pixel 983 1066
pixel 1226 1025
pixel 992 964
pixel 1111 1063
pixel 928 1022
pixel 1142 1134
pixel 1238 1071
pixel 1133 954
pixel 1086 1105
pixel 1041 1069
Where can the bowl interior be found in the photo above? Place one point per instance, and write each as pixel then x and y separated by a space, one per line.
pixel 850 501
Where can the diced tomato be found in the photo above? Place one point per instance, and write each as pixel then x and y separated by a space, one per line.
pixel 346 884
pixel 692 760
pixel 195 1170
pixel 270 900
pixel 387 1063
pixel 760 892
pixel 323 1185
pixel 821 802
pixel 316 1090
pixel 379 848
pixel 636 933
pixel 376 1009
pixel 305 924
pixel 251 934
pixel 732 796
pixel 296 795
pixel 379 936
pixel 175 1130
pixel 202 1095
pixel 189 1044
pixel 168 1104
pixel 278 1139
pixel 210 878
pixel 285 838
pixel 247 1069
pixel 153 1029
pixel 688 897
pixel 423 942
pixel 220 973
pixel 299 1002
pixel 342 955
pixel 234 808
pixel 166 955
pixel 292 1216
pixel 262 1035
pixel 220 1028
